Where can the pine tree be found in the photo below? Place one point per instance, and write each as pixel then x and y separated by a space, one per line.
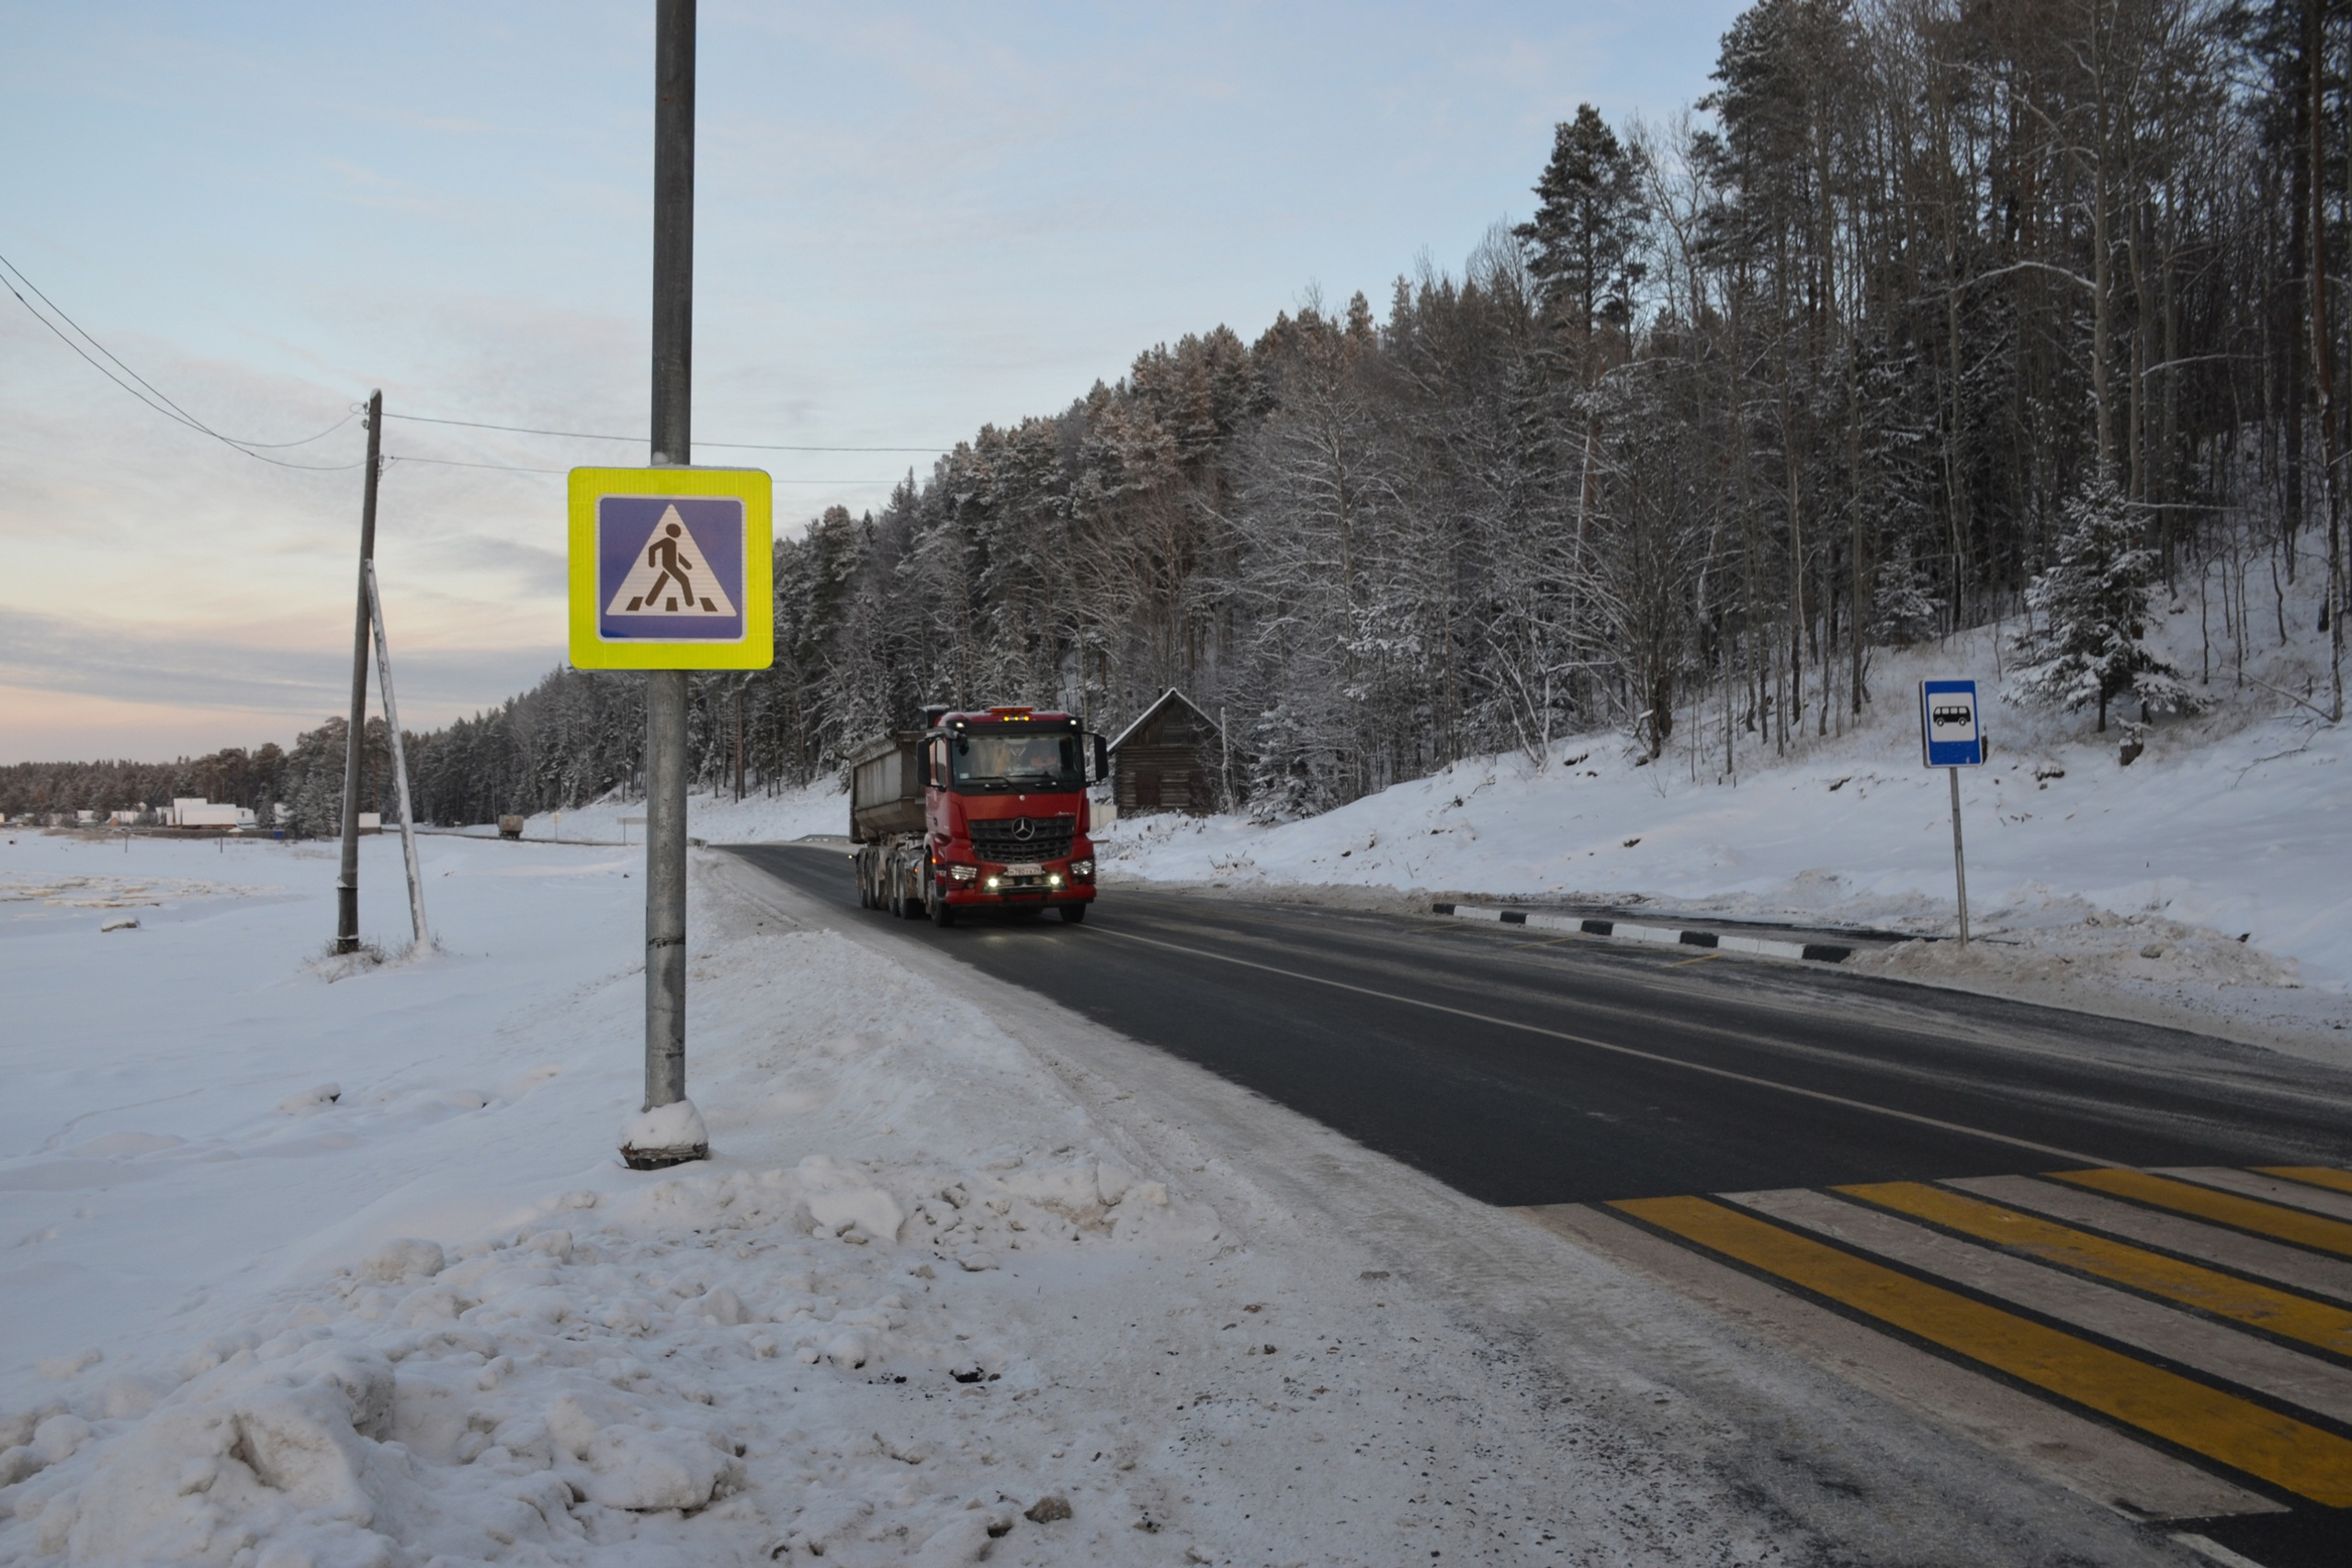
pixel 2092 644
pixel 1585 241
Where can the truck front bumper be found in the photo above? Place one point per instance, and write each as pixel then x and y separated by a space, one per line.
pixel 1014 892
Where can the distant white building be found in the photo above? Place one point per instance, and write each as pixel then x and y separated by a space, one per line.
pixel 195 811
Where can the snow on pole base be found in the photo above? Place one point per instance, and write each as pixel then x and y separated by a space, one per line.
pixel 666 1135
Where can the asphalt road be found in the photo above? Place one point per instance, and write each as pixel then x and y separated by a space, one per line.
pixel 1534 1071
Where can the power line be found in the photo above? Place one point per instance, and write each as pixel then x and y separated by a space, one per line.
pixel 590 435
pixel 519 468
pixel 146 392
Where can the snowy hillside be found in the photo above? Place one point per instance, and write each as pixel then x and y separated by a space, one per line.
pixel 2237 822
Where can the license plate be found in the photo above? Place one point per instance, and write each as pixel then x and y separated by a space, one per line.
pixel 1024 871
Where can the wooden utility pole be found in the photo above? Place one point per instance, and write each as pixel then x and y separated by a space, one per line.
pixel 355 739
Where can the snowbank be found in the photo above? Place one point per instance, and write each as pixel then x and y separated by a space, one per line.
pixel 309 1263
pixel 2202 876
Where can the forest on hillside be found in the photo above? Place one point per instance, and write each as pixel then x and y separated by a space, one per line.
pixel 1925 305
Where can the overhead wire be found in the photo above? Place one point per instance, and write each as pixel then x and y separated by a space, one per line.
pixel 154 398
pixel 592 435
pixel 146 392
pixel 520 468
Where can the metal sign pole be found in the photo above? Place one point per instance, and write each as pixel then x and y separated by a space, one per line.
pixel 665 690
pixel 346 883
pixel 1959 861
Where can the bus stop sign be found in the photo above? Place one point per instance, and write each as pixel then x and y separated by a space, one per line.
pixel 1949 735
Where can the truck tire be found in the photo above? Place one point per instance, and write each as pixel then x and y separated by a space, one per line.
pixel 943 913
pixel 1073 914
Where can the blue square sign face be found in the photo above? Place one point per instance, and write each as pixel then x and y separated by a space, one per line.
pixel 1949 730
pixel 670 568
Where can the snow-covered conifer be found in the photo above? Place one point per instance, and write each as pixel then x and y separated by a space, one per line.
pixel 2091 646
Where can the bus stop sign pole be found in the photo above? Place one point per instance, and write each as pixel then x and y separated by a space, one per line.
pixel 1951 738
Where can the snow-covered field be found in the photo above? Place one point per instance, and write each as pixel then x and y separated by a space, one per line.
pixel 2202 885
pixel 305 1263
pixel 716 819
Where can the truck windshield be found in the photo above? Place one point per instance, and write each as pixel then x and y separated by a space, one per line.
pixel 1019 760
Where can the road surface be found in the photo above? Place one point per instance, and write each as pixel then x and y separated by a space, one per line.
pixel 2126 1248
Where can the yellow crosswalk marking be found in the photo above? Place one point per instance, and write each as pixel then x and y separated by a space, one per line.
pixel 2263 1443
pixel 2228 1208
pixel 2312 1175
pixel 2280 1311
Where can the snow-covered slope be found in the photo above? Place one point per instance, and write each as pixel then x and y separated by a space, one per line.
pixel 2233 823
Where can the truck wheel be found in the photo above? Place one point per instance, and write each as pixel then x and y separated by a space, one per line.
pixel 943 913
pixel 1073 914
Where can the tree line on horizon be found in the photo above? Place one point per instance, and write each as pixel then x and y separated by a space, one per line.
pixel 1927 310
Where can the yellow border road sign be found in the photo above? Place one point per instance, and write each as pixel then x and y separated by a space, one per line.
pixel 639 537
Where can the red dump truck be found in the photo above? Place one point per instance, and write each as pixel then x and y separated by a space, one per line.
pixel 975 811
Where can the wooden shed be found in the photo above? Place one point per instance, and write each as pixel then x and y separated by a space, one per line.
pixel 1172 758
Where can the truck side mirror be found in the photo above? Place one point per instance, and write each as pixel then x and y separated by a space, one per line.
pixel 1101 759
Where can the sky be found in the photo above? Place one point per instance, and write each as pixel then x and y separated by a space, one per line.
pixel 912 221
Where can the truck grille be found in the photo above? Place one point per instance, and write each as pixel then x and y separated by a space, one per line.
pixel 1012 840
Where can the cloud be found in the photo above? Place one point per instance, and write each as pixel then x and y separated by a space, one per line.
pixel 129 663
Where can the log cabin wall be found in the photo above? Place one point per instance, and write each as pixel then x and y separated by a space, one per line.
pixel 1169 762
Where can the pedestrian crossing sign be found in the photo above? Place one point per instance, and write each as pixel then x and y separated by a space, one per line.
pixel 670 569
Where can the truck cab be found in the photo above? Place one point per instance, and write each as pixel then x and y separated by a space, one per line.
pixel 1005 812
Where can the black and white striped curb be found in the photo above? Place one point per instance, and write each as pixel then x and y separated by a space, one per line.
pixel 1622 931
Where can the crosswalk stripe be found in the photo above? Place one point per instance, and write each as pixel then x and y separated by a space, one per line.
pixel 2227 1208
pixel 2270 1189
pixel 2273 1446
pixel 2295 1267
pixel 2293 1316
pixel 2315 1175
pixel 2286 1376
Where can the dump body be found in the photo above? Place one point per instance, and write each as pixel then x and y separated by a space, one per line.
pixel 886 788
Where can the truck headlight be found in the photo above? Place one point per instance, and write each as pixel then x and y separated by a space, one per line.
pixel 1053 879
pixel 1082 867
pixel 965 873
pixel 993 881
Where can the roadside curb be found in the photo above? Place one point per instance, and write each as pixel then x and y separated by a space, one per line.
pixel 1668 936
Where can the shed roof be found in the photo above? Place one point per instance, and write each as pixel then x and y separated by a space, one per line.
pixel 1171 696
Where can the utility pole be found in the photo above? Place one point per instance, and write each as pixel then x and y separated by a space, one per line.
pixel 347 886
pixel 665 690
